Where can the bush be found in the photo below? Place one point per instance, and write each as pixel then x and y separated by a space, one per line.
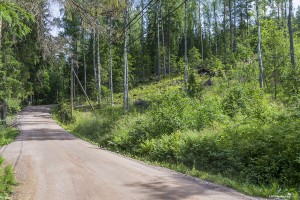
pixel 64 112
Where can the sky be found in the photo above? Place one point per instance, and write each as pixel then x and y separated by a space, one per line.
pixel 55 12
pixel 55 7
pixel 296 3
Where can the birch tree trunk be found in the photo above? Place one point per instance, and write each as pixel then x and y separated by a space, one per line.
pixel 292 53
pixel 231 25
pixel 158 43
pixel 224 29
pixel 169 45
pixel 111 65
pixel 247 17
pixel 234 25
pixel 261 81
pixel 126 103
pixel 94 59
pixel 84 58
pixel 72 87
pixel 185 50
pixel 200 31
pixel 98 64
pixel 163 41
pixel 142 40
pixel 216 27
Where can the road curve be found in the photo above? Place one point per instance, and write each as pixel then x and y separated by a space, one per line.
pixel 51 164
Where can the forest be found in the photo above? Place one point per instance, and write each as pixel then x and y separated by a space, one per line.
pixel 205 87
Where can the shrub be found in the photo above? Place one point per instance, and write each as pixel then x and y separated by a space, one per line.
pixel 64 112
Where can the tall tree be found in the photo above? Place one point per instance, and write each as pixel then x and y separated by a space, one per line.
pixel 185 49
pixel 111 64
pixel 261 80
pixel 98 62
pixel 126 96
pixel 158 41
pixel 292 53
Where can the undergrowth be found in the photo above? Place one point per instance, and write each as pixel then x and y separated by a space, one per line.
pixel 233 136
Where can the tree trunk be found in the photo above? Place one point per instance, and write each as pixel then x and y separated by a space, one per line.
pixel 98 65
pixel 76 68
pixel 234 25
pixel 216 28
pixel 261 82
pixel 292 44
pixel 285 12
pixel 142 41
pixel 200 31
pixel 3 109
pixel 169 44
pixel 247 17
pixel 0 31
pixel 94 58
pixel 163 44
pixel 185 50
pixel 224 29
pixel 231 25
pixel 72 87
pixel 110 65
pixel 126 98
pixel 158 44
pixel 84 58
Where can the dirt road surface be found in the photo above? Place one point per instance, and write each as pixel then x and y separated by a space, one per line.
pixel 51 164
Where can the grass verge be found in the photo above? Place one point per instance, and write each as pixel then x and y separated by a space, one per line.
pixel 7 180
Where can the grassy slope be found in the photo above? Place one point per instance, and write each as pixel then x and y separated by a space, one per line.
pixel 228 135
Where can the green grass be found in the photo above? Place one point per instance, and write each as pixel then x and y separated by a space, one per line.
pixel 7 180
pixel 228 135
pixel 7 135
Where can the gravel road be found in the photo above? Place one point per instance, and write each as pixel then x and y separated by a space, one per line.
pixel 51 164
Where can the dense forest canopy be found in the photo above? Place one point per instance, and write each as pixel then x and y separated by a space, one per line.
pixel 238 40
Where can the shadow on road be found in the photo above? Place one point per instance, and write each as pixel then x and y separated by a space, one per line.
pixel 44 134
pixel 36 123
pixel 160 190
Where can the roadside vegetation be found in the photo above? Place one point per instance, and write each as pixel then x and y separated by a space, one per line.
pixel 233 135
pixel 7 180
